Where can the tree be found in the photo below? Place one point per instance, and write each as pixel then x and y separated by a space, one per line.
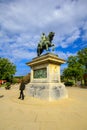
pixel 77 68
pixel 82 56
pixel 67 73
pixel 7 69
pixel 74 70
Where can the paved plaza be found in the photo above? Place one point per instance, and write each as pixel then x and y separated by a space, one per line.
pixel 36 114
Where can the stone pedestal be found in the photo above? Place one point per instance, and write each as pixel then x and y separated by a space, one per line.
pixel 45 77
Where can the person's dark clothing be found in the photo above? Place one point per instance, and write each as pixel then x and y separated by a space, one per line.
pixel 22 87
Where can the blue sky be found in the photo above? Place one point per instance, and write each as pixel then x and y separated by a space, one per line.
pixel 23 21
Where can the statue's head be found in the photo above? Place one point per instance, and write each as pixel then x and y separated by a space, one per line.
pixel 52 33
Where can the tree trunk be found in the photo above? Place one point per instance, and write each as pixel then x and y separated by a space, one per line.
pixel 85 79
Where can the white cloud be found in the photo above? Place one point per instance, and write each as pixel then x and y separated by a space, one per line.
pixel 29 16
pixel 84 37
pixel 23 54
pixel 70 38
pixel 64 55
pixel 23 21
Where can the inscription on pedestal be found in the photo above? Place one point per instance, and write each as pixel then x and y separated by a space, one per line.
pixel 40 73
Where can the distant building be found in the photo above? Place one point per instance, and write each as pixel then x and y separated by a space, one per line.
pixel 2 81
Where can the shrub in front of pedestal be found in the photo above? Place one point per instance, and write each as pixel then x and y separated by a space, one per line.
pixel 8 85
pixel 69 83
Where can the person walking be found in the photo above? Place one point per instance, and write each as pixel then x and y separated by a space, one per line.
pixel 22 88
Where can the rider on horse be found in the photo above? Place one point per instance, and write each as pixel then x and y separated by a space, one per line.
pixel 43 39
pixel 45 42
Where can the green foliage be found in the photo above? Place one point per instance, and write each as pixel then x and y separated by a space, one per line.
pixel 69 83
pixel 67 73
pixel 15 80
pixel 82 56
pixel 7 69
pixel 75 69
pixel 8 85
pixel 72 61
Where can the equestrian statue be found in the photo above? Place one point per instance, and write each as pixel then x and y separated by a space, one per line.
pixel 45 43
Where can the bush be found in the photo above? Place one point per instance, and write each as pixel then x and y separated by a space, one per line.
pixel 15 80
pixel 69 83
pixel 8 85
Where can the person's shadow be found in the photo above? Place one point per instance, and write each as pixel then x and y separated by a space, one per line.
pixel 1 96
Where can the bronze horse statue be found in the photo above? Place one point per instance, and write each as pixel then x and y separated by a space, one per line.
pixel 45 43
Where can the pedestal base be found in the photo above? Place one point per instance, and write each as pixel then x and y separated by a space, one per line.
pixel 47 91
